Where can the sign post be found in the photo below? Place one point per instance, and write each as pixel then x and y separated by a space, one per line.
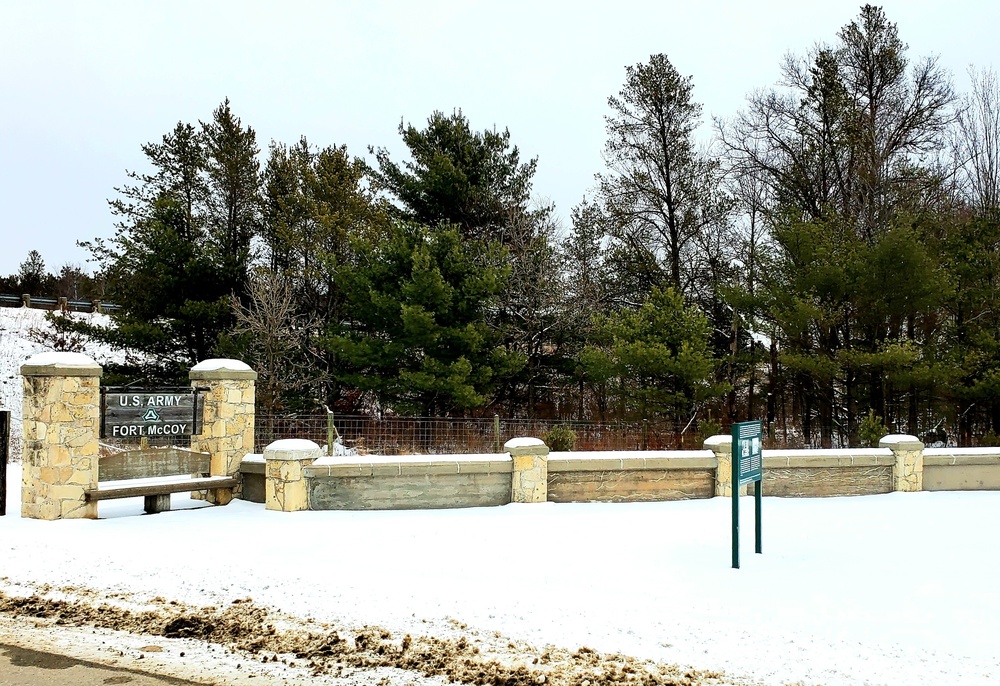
pixel 4 452
pixel 150 413
pixel 748 465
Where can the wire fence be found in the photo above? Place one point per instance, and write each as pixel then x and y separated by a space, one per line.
pixel 436 435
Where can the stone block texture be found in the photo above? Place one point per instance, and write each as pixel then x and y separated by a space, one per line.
pixel 529 480
pixel 908 473
pixel 62 421
pixel 228 418
pixel 285 487
pixel 722 446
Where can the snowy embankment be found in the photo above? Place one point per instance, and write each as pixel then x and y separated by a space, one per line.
pixel 891 589
pixel 25 332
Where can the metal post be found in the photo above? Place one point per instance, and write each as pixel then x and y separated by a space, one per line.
pixel 4 452
pixel 758 487
pixel 496 431
pixel 736 501
pixel 329 433
pixel 645 434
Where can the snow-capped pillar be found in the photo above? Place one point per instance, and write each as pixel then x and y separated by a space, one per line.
pixel 908 472
pixel 530 479
pixel 722 446
pixel 285 487
pixel 227 418
pixel 61 426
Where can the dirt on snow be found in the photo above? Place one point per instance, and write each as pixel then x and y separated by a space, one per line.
pixel 465 656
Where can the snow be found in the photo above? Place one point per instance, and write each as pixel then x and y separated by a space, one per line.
pixel 898 438
pixel 628 454
pixel 888 589
pixel 291 444
pixel 60 359
pixel 216 364
pixel 524 443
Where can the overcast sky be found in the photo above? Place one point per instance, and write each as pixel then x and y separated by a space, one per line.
pixel 84 84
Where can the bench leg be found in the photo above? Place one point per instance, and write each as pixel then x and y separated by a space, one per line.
pixel 157 503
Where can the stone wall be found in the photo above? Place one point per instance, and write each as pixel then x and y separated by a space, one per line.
pixel 409 482
pixel 812 473
pixel 961 469
pixel 623 477
pixel 436 481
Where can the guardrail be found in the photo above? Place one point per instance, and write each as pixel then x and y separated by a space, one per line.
pixel 60 304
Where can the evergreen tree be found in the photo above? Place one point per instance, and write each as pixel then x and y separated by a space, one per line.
pixel 474 181
pixel 317 204
pixel 231 174
pixel 655 360
pixel 181 246
pixel 416 339
pixel 661 195
pixel 31 274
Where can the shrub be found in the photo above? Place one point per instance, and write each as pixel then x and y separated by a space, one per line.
pixel 872 430
pixel 709 427
pixel 560 438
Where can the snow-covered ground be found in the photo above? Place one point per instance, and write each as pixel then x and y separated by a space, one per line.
pixel 892 589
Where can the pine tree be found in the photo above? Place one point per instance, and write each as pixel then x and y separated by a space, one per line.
pixel 417 340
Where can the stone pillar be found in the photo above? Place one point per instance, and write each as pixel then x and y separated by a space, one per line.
pixel 908 472
pixel 227 417
pixel 530 482
pixel 61 426
pixel 285 485
pixel 722 446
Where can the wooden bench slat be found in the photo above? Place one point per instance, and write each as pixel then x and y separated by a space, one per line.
pixel 179 486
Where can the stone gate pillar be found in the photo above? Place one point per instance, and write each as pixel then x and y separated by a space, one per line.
pixel 228 417
pixel 61 426
pixel 530 478
pixel 722 446
pixel 908 472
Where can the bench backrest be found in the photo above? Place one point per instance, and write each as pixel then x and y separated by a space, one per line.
pixel 152 462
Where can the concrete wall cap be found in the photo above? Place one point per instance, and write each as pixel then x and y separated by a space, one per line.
pixel 291 449
pixel 60 364
pixel 523 443
pixel 717 441
pixel 219 368
pixel 902 441
pixel 825 452
pixel 962 451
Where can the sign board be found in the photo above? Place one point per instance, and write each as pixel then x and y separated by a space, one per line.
pixel 748 465
pixel 148 413
pixel 747 456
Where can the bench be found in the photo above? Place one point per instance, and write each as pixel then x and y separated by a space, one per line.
pixel 155 473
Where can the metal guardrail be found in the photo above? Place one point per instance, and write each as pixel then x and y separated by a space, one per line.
pixel 60 304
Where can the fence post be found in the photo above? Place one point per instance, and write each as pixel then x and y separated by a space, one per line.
pixel 496 432
pixel 4 452
pixel 645 434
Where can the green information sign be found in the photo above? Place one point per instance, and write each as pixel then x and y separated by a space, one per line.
pixel 747 439
pixel 748 465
